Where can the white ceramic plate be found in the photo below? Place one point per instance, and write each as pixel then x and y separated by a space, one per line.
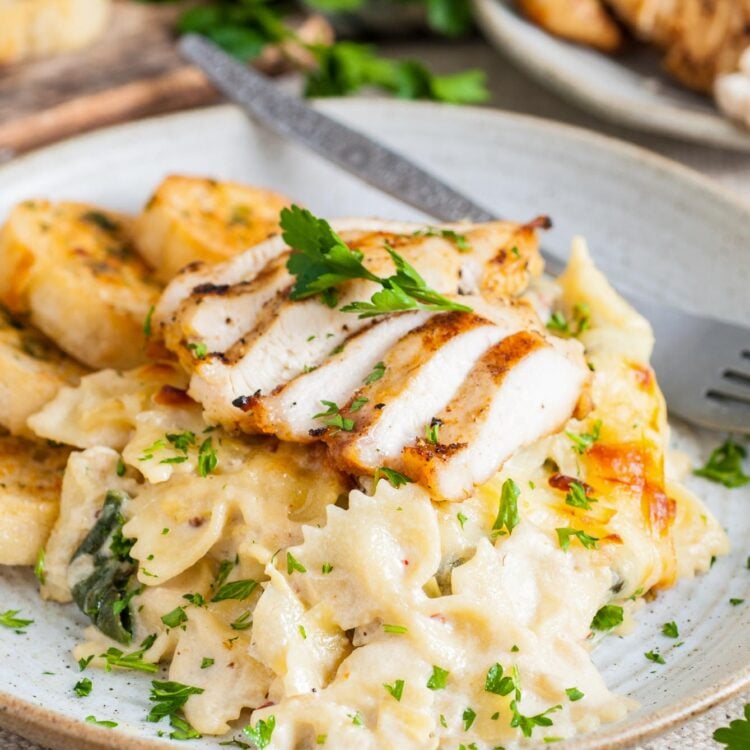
pixel 629 89
pixel 652 225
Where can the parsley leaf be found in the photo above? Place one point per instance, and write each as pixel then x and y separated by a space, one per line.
pixel 115 657
pixel 580 321
pixel 9 620
pixel 725 465
pixel 459 240
pixel 655 657
pixel 496 683
pixel 438 679
pixel 82 688
pixel 574 694
pixel 737 735
pixel 39 565
pixel 147 322
pixel 377 372
pixel 106 724
pixel 235 590
pixel 432 431
pixel 207 459
pixel 670 630
pixel 199 349
pixel 332 416
pixel 577 497
pixel 468 716
pixel 207 662
pixel 607 618
pixel 395 478
pixel 584 441
pixel 564 536
pixel 396 690
pixel 175 618
pixel 507 513
pixel 293 564
pixel 321 261
pixel 168 698
pixel 262 732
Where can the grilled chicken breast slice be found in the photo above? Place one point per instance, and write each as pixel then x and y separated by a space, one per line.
pixel 288 411
pixel 218 316
pixel 72 270
pixel 422 373
pixel 522 388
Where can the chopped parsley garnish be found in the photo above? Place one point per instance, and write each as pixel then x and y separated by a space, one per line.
pixel 396 690
pixel 243 622
pixel 358 403
pixel 397 629
pixel 103 723
pixel 584 441
pixel 497 683
pixel 82 688
pixel 462 519
pixel 432 431
pixel 207 459
pixel 468 717
pixel 181 440
pixel 527 723
pixel 332 417
pixel 655 657
pixel 565 534
pixel 736 602
pixel 395 478
pixel 114 657
pixel 235 590
pixel 321 739
pixel 207 662
pixel 148 453
pixel 580 321
pixel 377 372
pixel 438 679
pixel 578 498
pixel 147 322
pixel 293 564
pixel 507 513
pixel 8 619
pixel 262 732
pixel 120 468
pixel 197 600
pixel 574 694
pixel 39 565
pixel 459 240
pixel 175 618
pixel 607 618
pixel 182 729
pixel 326 568
pixel 737 735
pixel 199 349
pixel 169 698
pixel 225 568
pixel 302 632
pixel 725 465
pixel 670 630
pixel 321 261
pixel 357 720
pixel 84 662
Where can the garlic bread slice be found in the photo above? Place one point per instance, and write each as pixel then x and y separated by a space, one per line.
pixel 32 371
pixel 198 219
pixel 30 481
pixel 71 268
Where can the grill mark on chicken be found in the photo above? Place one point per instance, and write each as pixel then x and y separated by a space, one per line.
pixel 522 370
pixel 422 371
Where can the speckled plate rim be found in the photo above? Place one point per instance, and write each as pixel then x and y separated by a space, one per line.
pixel 58 730
pixel 670 120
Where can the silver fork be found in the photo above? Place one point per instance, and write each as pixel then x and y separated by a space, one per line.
pixel 703 364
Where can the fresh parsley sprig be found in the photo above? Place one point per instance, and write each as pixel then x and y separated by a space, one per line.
pixel 321 261
pixel 737 735
pixel 725 465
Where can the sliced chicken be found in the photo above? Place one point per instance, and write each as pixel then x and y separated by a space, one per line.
pixel 288 411
pixel 521 389
pixel 422 373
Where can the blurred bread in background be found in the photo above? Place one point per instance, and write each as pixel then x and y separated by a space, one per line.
pixel 39 28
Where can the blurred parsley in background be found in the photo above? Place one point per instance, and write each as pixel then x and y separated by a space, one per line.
pixel 247 28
